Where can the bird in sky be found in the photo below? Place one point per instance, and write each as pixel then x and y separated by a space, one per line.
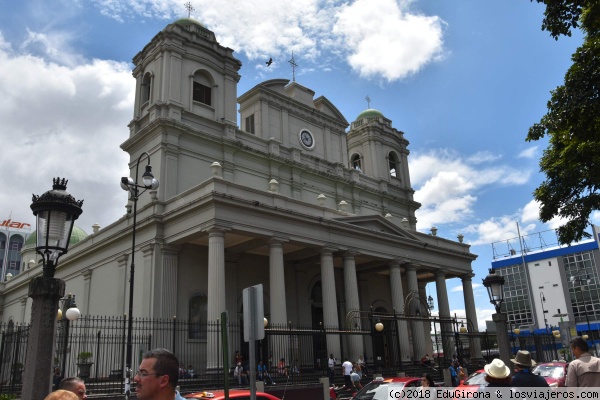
pixel 269 62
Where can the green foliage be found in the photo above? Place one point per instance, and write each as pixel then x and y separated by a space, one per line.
pixel 561 16
pixel 572 160
pixel 8 396
pixel 84 356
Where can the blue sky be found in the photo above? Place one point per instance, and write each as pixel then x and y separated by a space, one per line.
pixel 463 80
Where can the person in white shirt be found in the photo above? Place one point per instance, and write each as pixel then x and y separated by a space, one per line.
pixel 347 370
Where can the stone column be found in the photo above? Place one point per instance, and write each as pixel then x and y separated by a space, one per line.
pixel 37 380
pixel 278 343
pixel 444 313
pixel 121 277
pixel 418 334
pixel 216 294
pixel 330 312
pixel 87 285
pixel 233 292
pixel 474 342
pixel 167 287
pixel 398 304
pixel 355 342
pixel 277 284
pixel 427 328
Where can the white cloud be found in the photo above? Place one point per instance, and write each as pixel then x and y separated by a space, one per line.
pixel 399 44
pixel 530 152
pixel 447 184
pixel 319 32
pixel 64 121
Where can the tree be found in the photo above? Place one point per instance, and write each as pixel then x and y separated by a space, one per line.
pixel 571 162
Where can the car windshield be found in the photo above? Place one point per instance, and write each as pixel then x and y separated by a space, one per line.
pixel 552 371
pixel 377 390
pixel 476 379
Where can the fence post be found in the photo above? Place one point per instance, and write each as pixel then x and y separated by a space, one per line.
pixel 174 333
pixel 98 359
pixel 15 360
pixel 2 359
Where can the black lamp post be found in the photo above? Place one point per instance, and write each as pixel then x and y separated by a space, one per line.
pixel 494 284
pixel 56 212
pixel 577 278
pixel 544 311
pixel 128 184
pixel 71 313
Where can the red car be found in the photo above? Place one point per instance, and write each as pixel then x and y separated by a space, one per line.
pixel 473 381
pixel 233 394
pixel 379 388
pixel 555 373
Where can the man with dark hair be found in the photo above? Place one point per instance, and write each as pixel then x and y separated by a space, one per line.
pixel 585 370
pixel 75 385
pixel 157 376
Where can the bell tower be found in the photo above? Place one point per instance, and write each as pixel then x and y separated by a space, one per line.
pixel 186 88
pixel 378 150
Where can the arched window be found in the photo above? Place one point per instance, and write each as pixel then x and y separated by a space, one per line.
pixel 393 164
pixel 202 88
pixel 146 87
pixel 357 163
pixel 198 316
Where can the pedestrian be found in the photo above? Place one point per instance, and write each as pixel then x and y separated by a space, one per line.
pixel 61 395
pixel 331 368
pixel 347 370
pixel 157 376
pixel 363 366
pixel 427 381
pixel 497 375
pixel 75 385
pixel 523 376
pixel 355 378
pixel 240 374
pixel 584 371
pixel 453 374
pixel 263 374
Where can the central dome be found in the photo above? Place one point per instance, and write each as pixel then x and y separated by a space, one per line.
pixel 188 22
pixel 77 235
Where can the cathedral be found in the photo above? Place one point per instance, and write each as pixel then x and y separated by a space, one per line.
pixel 317 209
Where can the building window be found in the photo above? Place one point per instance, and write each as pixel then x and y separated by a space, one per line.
pixel 198 316
pixel 146 88
pixel 357 162
pixel 517 301
pixel 393 164
pixel 202 90
pixel 250 124
pixel 582 295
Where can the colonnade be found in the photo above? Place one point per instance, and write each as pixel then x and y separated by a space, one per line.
pixel 217 304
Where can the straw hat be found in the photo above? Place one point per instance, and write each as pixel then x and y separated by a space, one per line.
pixel 497 369
pixel 523 358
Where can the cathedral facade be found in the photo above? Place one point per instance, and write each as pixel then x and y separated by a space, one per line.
pixel 317 209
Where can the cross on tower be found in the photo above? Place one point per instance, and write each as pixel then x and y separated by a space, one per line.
pixel 188 6
pixel 368 101
pixel 294 65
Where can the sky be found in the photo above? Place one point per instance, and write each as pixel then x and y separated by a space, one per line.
pixel 463 79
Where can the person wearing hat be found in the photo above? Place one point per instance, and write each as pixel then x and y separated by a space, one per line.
pixel 497 374
pixel 523 376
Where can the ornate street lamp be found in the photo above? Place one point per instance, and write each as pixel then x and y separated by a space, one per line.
pixel 135 191
pixel 494 284
pixel 56 212
pixel 430 302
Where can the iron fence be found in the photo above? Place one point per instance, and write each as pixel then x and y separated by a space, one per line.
pixel 94 349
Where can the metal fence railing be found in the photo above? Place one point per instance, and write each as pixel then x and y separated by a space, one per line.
pixel 94 348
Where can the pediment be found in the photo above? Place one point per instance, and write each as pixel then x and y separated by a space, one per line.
pixel 378 223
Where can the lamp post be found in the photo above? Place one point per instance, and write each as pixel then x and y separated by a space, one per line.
pixel 544 311
pixel 56 212
pixel 577 278
pixel 494 284
pixel 72 313
pixel 131 186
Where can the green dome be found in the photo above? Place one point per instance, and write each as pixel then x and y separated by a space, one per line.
pixel 369 113
pixel 189 21
pixel 77 236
